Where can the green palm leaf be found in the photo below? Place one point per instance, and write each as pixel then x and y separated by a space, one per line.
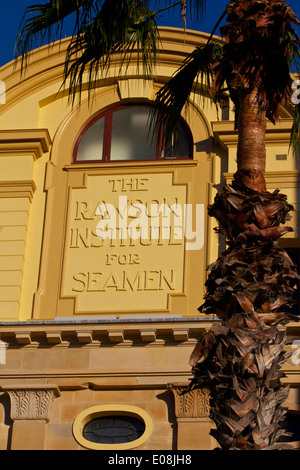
pixel 45 22
pixel 101 29
pixel 173 96
pixel 294 61
pixel 120 27
pixel 295 132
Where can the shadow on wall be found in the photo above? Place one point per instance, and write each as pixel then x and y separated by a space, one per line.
pixel 6 431
pixel 169 401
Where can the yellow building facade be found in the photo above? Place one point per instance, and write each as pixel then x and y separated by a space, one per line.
pixel 104 248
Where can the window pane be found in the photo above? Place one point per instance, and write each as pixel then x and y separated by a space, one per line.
pixel 181 148
pixel 130 139
pixel 291 424
pixel 113 430
pixel 294 254
pixel 91 144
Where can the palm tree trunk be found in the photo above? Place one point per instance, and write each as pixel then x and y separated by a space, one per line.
pixel 251 151
pixel 248 288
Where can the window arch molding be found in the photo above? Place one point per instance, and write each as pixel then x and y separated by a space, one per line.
pixel 62 174
pixel 121 133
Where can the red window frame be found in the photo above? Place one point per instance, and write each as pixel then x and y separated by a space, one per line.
pixel 107 137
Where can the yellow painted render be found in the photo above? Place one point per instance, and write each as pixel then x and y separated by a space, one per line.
pixel 85 356
pixel 35 101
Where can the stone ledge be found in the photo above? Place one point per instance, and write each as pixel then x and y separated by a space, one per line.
pixel 95 335
pixel 33 142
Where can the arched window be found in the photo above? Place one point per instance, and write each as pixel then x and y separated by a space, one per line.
pixel 122 134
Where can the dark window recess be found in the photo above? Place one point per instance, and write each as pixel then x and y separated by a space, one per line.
pixel 291 424
pixel 294 254
pixel 113 430
pixel 122 134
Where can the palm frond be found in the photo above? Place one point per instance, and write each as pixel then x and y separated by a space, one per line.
pixel 195 8
pixel 293 45
pixel 120 27
pixel 43 23
pixel 262 49
pixel 295 132
pixel 101 28
pixel 294 63
pixel 172 97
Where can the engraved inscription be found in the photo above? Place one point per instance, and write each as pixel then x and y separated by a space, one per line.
pixel 123 281
pixel 129 184
pixel 124 241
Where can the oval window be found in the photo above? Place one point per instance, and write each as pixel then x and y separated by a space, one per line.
pixel 112 427
pixel 122 134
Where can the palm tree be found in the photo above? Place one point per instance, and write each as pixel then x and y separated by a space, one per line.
pixel 252 282
pixel 251 286
pixel 101 28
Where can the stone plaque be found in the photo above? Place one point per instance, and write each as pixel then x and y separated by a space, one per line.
pixel 124 246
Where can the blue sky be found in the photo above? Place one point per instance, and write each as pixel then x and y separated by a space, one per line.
pixel 11 13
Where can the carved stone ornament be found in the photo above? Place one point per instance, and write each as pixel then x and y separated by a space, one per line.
pixel 31 402
pixel 194 404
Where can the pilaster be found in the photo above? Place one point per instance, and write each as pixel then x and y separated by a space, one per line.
pixel 192 416
pixel 30 412
pixel 19 150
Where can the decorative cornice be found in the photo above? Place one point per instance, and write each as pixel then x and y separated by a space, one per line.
pixel 193 404
pixel 90 167
pixel 226 136
pixel 135 88
pixel 20 188
pixel 31 402
pixel 96 334
pixel 33 142
pixel 282 179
